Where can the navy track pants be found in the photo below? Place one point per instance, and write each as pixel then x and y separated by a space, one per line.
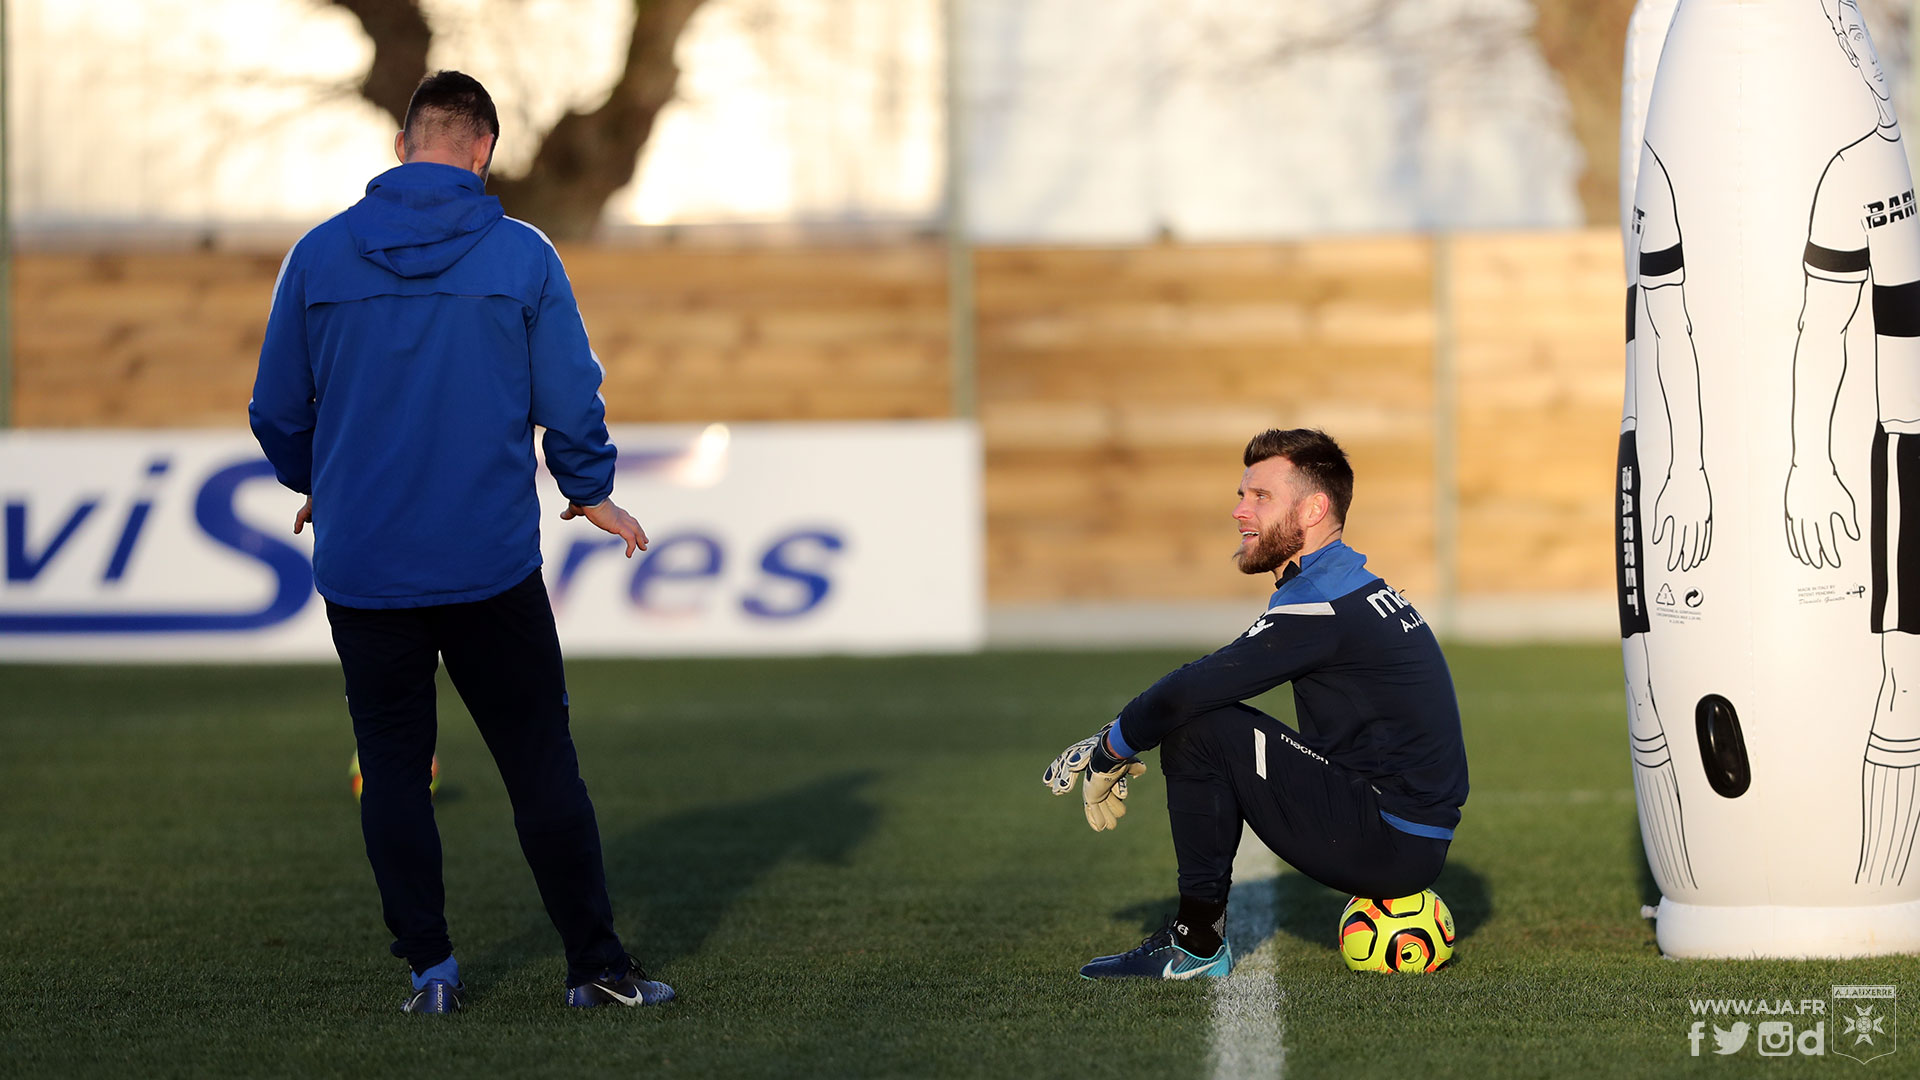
pixel 503 655
pixel 1237 764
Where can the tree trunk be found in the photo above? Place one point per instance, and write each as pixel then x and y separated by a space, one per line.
pixel 589 156
pixel 1584 41
pixel 401 38
pixel 586 157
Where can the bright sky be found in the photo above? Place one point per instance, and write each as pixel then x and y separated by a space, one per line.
pixel 243 110
pixel 1090 120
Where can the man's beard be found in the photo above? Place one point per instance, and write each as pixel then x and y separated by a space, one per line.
pixel 1273 549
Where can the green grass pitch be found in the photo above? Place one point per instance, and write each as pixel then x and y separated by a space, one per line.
pixel 846 867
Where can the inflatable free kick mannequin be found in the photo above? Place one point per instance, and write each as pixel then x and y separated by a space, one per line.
pixel 1769 582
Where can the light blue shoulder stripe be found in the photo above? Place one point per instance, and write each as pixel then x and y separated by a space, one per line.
pixel 1317 607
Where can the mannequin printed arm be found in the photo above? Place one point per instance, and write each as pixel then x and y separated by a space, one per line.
pixel 1683 511
pixel 1818 505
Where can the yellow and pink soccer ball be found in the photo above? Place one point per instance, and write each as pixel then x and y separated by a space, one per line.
pixel 353 775
pixel 1409 934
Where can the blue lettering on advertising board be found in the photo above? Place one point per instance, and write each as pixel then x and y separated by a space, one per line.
pixel 664 565
pixel 24 565
pixel 672 578
pixel 213 510
pixel 778 565
pixel 677 567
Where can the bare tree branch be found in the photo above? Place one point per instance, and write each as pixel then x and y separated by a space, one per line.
pixel 586 156
pixel 1582 41
pixel 1461 39
pixel 589 156
pixel 401 38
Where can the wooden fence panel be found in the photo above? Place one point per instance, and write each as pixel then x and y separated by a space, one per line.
pixel 1117 386
pixel 1539 355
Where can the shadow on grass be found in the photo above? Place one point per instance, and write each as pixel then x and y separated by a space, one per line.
pixel 676 878
pixel 673 880
pixel 1305 909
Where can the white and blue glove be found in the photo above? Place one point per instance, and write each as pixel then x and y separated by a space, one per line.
pixel 1104 795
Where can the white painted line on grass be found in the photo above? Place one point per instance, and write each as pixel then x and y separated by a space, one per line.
pixel 1247 1024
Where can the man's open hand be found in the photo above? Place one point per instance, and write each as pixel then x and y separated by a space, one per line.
pixel 304 515
pixel 1104 795
pixel 608 516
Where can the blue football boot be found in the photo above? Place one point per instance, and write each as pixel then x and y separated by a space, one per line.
pixel 630 987
pixel 437 996
pixel 1160 957
pixel 436 990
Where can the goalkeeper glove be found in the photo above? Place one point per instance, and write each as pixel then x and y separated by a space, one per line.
pixel 1104 795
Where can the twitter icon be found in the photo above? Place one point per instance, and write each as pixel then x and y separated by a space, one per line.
pixel 1730 1042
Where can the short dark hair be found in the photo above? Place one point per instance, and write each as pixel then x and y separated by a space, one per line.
pixel 449 103
pixel 1316 458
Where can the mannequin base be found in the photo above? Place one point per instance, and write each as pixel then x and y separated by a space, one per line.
pixel 1700 932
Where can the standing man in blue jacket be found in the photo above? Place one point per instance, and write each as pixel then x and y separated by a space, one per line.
pixel 415 342
pixel 1362 798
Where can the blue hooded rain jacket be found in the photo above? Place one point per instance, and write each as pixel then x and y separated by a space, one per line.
pixel 415 342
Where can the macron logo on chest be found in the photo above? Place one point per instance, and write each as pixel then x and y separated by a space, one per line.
pixel 1388 603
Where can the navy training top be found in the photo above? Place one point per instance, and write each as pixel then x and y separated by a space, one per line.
pixel 414 343
pixel 1371 689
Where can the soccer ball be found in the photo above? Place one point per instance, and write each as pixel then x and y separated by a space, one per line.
pixel 353 775
pixel 1410 934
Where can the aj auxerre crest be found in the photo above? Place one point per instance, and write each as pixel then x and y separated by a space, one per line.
pixel 1865 1023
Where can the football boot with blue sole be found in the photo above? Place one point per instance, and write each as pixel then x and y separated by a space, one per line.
pixel 1160 957
pixel 438 996
pixel 631 988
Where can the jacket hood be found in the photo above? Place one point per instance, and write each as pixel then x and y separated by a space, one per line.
pixel 419 219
